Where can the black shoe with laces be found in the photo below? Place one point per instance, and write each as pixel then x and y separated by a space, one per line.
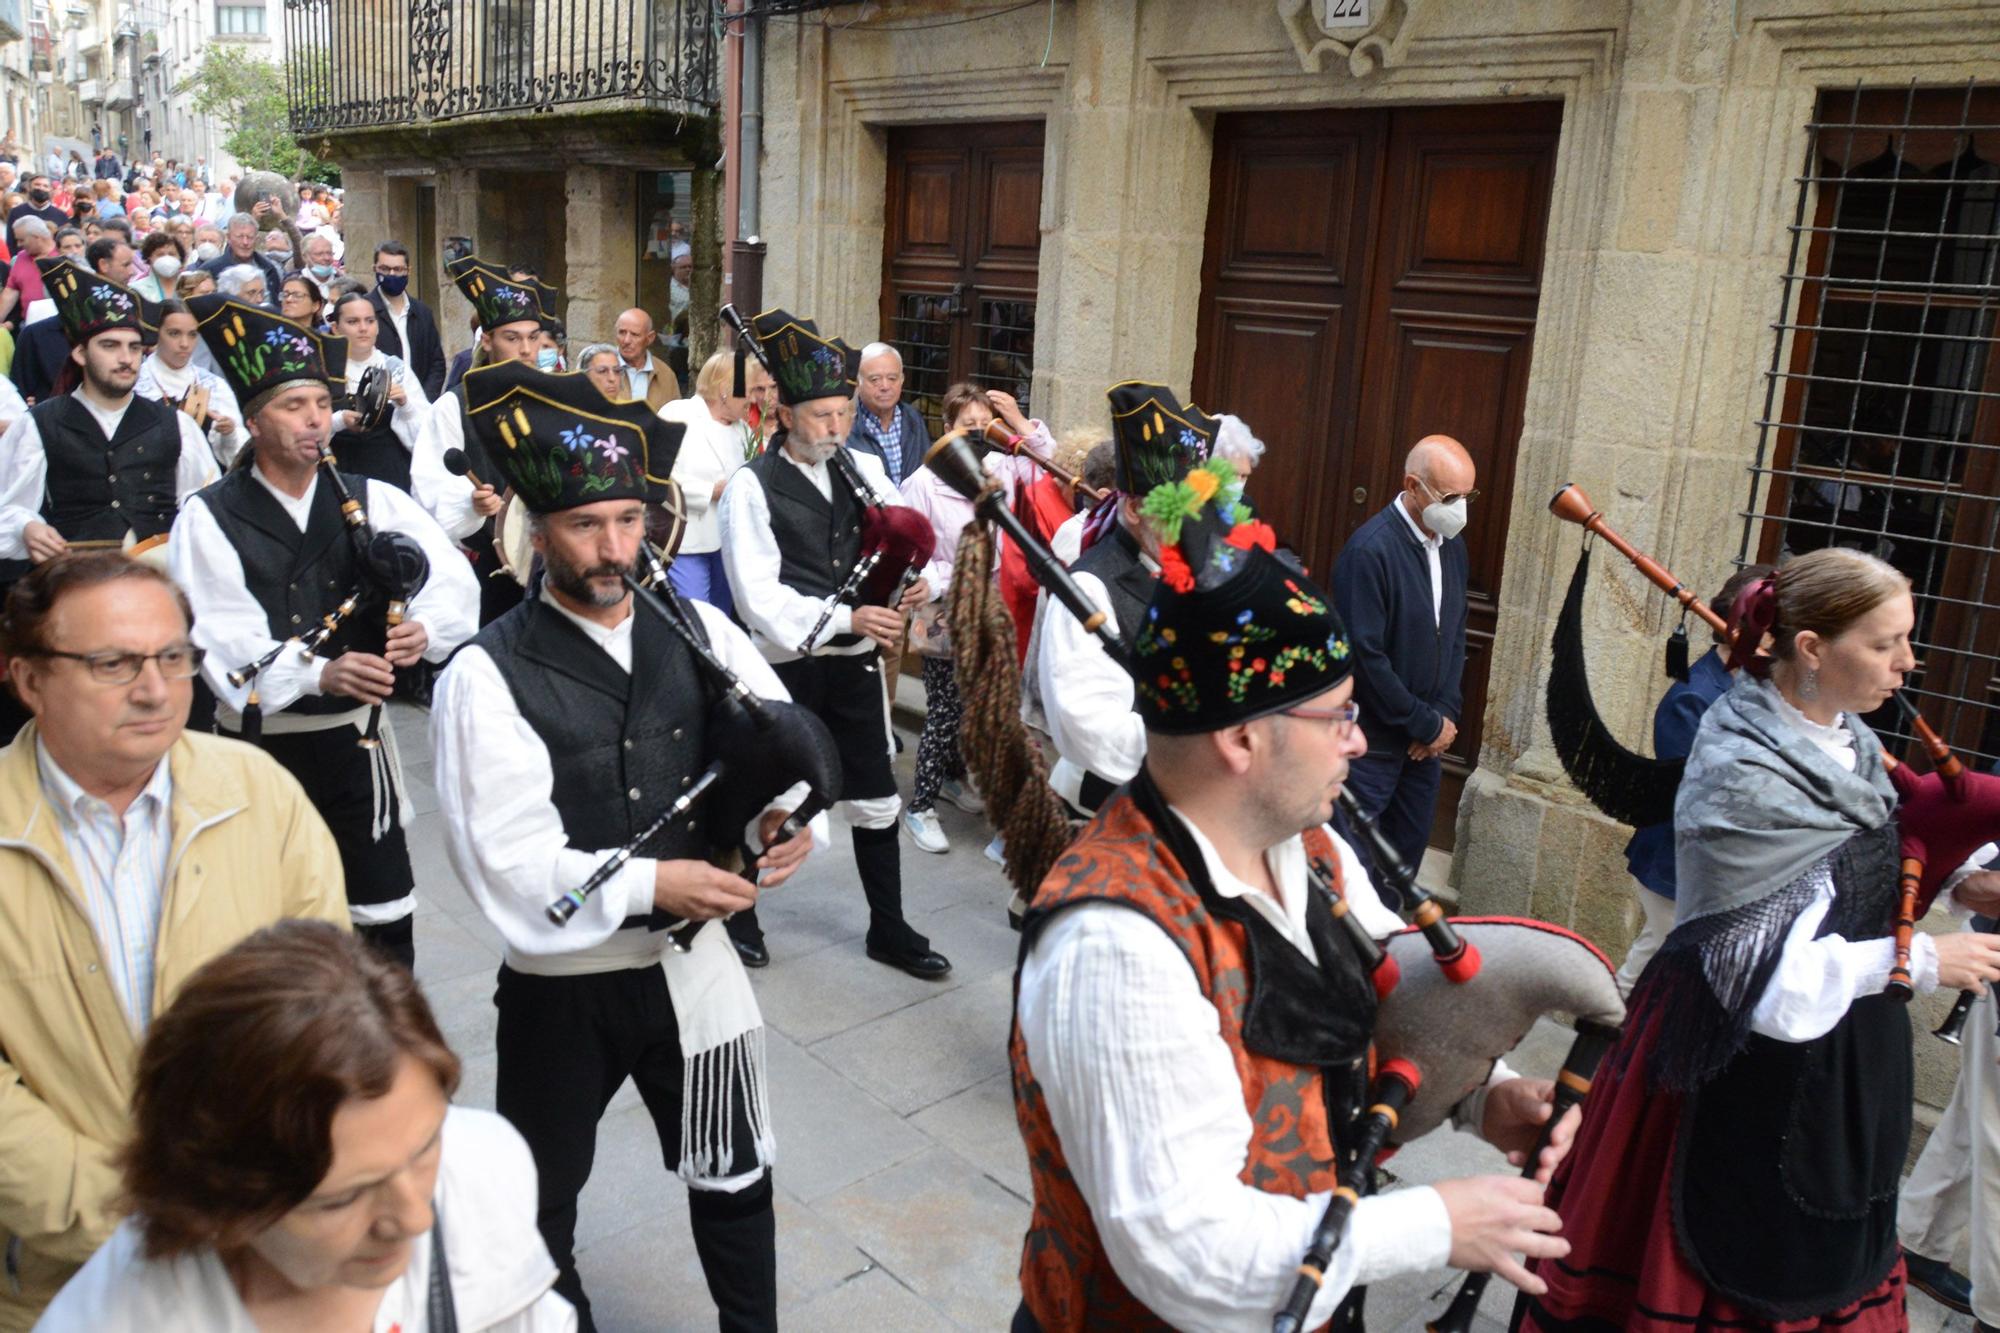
pixel 1938 1280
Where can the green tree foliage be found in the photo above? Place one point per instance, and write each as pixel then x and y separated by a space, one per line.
pixel 248 94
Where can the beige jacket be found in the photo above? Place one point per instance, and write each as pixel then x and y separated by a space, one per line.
pixel 248 849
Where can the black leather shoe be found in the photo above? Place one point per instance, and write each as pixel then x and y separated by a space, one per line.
pixel 1936 1279
pixel 924 964
pixel 752 952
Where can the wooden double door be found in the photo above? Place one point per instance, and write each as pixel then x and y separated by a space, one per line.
pixel 1371 277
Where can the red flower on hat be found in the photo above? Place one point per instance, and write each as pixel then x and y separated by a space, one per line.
pixel 1255 532
pixel 1174 571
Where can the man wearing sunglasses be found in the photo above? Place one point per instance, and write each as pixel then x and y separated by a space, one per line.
pixel 131 851
pixel 1400 586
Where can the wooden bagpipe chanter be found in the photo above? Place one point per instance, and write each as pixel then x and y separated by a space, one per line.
pixel 1454 994
pixel 1942 816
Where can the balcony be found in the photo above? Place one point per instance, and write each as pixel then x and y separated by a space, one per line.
pixel 118 94
pixel 384 64
pixel 13 22
pixel 90 92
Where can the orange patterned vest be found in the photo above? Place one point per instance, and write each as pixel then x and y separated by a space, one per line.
pixel 1067 1282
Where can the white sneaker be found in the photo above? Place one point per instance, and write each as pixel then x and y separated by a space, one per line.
pixel 963 796
pixel 922 826
pixel 996 850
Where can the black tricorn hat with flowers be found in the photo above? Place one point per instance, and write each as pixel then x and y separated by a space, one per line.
pixel 805 365
pixel 498 299
pixel 89 303
pixel 1233 631
pixel 1157 439
pixel 260 352
pixel 560 443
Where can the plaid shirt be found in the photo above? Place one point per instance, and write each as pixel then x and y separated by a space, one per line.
pixel 889 439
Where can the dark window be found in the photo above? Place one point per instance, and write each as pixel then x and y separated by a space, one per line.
pixel 1881 428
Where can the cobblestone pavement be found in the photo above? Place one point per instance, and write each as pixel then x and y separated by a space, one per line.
pixel 901 1186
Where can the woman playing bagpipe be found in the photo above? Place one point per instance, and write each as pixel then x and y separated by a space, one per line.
pixel 1191 1052
pixel 1738 1163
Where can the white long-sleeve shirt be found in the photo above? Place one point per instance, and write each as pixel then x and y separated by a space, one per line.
pixel 505 835
pixel 1143 1093
pixel 444 496
pixel 24 470
pixel 158 381
pixel 234 629
pixel 1818 979
pixel 408 419
pixel 710 452
pixel 778 615
pixel 12 405
pixel 1088 699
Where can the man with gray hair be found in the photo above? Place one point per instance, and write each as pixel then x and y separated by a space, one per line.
pixel 241 248
pixel 885 425
pixel 32 240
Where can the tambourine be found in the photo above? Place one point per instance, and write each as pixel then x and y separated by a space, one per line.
pixel 369 399
pixel 195 403
pixel 152 550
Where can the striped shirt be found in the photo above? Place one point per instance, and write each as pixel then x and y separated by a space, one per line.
pixel 121 867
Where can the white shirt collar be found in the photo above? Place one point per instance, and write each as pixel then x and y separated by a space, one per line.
pixel 73 803
pixel 107 419
pixel 1433 540
pixel 300 509
pixel 610 639
pixel 1287 863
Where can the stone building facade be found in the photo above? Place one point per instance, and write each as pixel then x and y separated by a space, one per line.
pixel 1673 190
pixel 544 137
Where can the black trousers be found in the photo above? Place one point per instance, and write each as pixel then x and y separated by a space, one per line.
pixel 339 779
pixel 566 1045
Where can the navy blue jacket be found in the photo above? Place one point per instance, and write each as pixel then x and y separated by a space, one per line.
pixel 1650 854
pixel 915 440
pixel 1407 663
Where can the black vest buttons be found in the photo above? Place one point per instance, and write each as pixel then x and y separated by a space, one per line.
pixel 628 744
pixel 693 824
pixel 687 782
pixel 633 794
pixel 114 504
pixel 295 619
pixel 679 733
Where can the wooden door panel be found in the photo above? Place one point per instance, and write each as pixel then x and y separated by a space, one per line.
pixel 931 221
pixel 961 256
pixel 1277 354
pixel 1008 232
pixel 1465 381
pixel 1371 277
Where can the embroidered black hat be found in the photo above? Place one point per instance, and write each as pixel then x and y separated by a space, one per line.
pixel 89 303
pixel 498 299
pixel 560 443
pixel 805 365
pixel 260 352
pixel 1157 439
pixel 1233 631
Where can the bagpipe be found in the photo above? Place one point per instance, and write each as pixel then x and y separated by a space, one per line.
pixel 1943 816
pixel 1439 1029
pixel 896 541
pixel 392 565
pixel 996 438
pixel 761 747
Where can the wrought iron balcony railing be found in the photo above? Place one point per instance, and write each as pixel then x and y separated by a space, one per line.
pixel 369 64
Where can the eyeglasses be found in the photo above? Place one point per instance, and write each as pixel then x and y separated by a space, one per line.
pixel 1452 497
pixel 1344 717
pixel 179 661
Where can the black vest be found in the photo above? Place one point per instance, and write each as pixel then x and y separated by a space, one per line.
pixel 818 539
pixel 98 489
pixel 298 577
pixel 1114 561
pixel 623 745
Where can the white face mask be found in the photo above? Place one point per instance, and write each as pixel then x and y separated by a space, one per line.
pixel 1446 520
pixel 206 251
pixel 167 265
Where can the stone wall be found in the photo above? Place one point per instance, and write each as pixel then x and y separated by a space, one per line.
pixel 1682 137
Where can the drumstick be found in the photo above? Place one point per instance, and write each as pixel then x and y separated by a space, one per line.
pixel 456 463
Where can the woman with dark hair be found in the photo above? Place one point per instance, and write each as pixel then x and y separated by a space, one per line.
pixel 380 444
pixel 301 301
pixel 1739 1157
pixel 296 1163
pixel 163 257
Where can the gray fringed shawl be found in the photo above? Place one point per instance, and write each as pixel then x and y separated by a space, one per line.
pixel 1760 804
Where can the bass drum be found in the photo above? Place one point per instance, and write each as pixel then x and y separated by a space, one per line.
pixel 666 525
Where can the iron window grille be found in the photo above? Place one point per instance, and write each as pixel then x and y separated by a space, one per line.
pixel 1881 422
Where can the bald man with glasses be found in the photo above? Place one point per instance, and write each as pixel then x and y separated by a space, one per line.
pixel 133 851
